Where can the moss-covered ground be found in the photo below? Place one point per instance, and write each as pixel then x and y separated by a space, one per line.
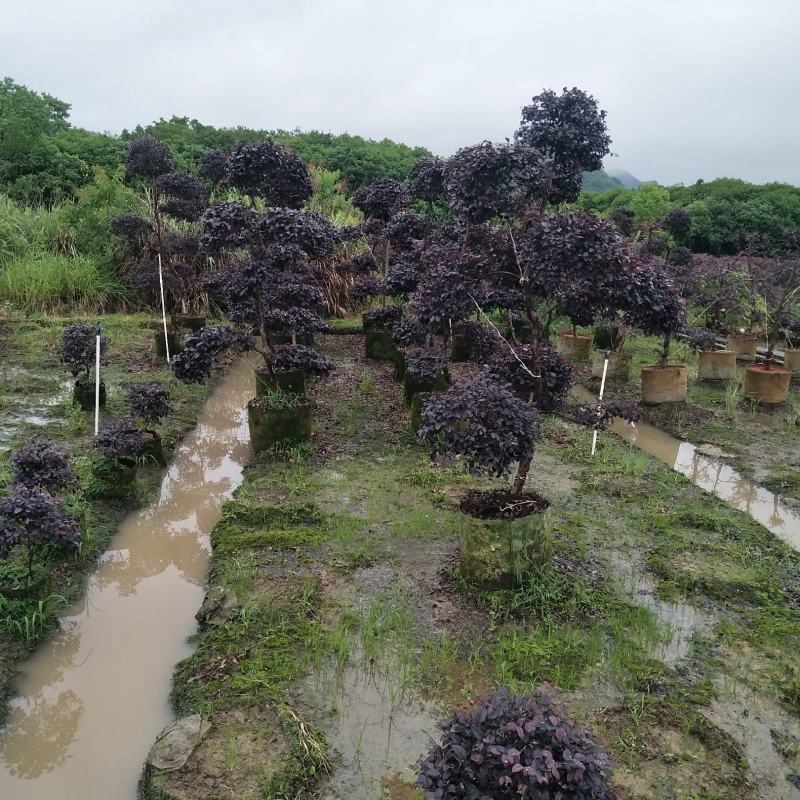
pixel 669 621
pixel 36 399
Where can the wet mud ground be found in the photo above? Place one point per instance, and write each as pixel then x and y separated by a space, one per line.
pixel 36 399
pixel 669 620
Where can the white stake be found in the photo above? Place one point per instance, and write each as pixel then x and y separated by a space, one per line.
pixel 97 381
pixel 163 307
pixel 600 399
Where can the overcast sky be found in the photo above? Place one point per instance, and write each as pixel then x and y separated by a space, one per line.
pixel 693 88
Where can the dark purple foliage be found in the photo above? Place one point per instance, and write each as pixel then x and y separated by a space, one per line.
pixel 624 218
pixel 488 179
pixel 508 748
pixel 288 357
pixel 42 463
pixel 121 441
pixel 183 196
pixel 482 340
pixel 516 368
pixel 270 171
pixel 569 131
pixel 700 338
pixel 185 246
pixel 650 300
pixel 177 278
pixel 309 231
pixel 148 157
pixel 678 222
pixel 425 363
pixel 365 287
pixel 202 348
pixel 381 198
pixel 406 227
pixel 77 348
pixel 383 318
pixel 31 518
pixel 359 264
pixel 149 402
pixel 226 226
pixel 482 422
pixel 131 227
pixel 426 179
pixel 680 257
pixel 214 165
pixel 653 245
pixel 402 277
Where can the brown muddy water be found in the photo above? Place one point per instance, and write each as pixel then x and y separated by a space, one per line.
pixel 711 474
pixel 92 699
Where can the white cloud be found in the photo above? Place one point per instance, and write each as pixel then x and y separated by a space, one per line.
pixel 693 88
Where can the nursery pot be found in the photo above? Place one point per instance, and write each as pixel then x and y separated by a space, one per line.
pixel 412 385
pixel 462 348
pixel 114 477
pixel 292 381
pixel 769 385
pixel 520 329
pixel 190 322
pixel 83 393
pixel 174 339
pixel 716 365
pixel 619 366
pixel 400 364
pixel 502 552
pixel 574 347
pixel 23 591
pixel 791 360
pixel 270 426
pixel 665 384
pixel 378 344
pixel 744 345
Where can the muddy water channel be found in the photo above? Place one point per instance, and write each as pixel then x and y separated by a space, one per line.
pixel 712 474
pixel 93 697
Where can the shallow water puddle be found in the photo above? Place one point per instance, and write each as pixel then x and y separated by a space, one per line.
pixel 758 725
pixel 94 696
pixel 374 724
pixel 681 620
pixel 712 475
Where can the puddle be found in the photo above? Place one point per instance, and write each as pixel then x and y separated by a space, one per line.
pixel 94 696
pixel 681 620
pixel 758 725
pixel 375 727
pixel 712 475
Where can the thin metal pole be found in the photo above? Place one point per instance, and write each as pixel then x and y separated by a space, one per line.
pixel 97 380
pixel 163 306
pixel 600 399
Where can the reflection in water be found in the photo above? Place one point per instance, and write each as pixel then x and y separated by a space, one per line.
pixel 378 728
pixel 94 697
pixel 717 477
pixel 710 474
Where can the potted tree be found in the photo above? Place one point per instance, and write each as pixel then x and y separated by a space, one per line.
pixel 790 326
pixel 653 304
pixel 712 364
pixel 150 403
pixel 77 350
pixel 609 337
pixel 36 523
pixel 775 280
pixel 114 472
pixel 165 268
pixel 273 291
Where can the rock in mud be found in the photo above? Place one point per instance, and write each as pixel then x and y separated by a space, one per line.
pixel 177 742
pixel 244 751
pixel 218 607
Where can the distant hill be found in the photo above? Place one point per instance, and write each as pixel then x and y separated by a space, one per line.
pixel 624 177
pixel 600 181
